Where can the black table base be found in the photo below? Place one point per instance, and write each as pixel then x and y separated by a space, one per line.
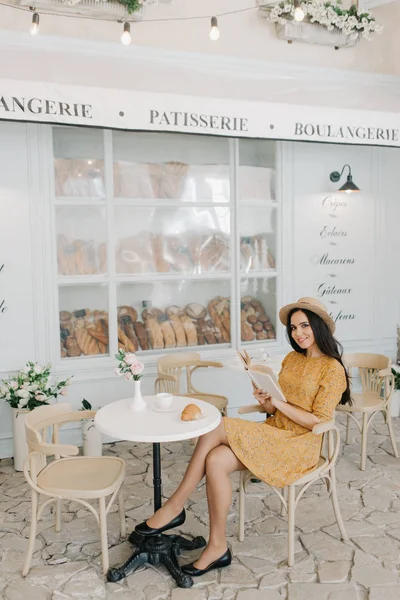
pixel 159 549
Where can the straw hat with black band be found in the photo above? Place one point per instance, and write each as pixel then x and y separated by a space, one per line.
pixel 311 304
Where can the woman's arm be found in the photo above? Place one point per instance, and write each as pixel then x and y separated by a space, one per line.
pixel 297 415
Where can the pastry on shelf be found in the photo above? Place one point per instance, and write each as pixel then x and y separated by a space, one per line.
pixel 133 180
pixel 125 325
pixel 253 315
pixel 190 330
pixel 173 313
pixel 167 331
pixel 172 181
pixel 79 177
pixel 177 254
pixel 134 254
pixel 76 257
pixel 214 253
pixel 153 329
pixel 219 311
pixel 141 335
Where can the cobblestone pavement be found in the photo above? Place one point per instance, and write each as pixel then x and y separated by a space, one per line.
pixel 66 565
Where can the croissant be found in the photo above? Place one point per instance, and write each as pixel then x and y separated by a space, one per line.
pixel 191 412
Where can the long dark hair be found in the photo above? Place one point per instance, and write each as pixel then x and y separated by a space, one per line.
pixel 325 342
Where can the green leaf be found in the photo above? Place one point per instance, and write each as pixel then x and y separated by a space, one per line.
pixel 86 405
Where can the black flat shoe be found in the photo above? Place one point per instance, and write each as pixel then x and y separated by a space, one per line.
pixel 223 561
pixel 144 529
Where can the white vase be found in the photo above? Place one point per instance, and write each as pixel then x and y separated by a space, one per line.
pixel 137 402
pixel 92 439
pixel 19 437
pixel 394 406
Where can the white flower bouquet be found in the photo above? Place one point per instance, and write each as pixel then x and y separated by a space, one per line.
pixel 354 22
pixel 31 388
pixel 396 374
pixel 128 366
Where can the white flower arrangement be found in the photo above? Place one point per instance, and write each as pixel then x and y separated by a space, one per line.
pixel 30 387
pixel 353 22
pixel 129 366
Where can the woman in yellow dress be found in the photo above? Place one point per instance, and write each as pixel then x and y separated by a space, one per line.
pixel 279 450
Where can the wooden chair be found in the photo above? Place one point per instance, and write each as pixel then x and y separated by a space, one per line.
pixel 68 477
pixel 170 370
pixel 325 469
pixel 377 385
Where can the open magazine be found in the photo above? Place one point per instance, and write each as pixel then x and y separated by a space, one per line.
pixel 262 376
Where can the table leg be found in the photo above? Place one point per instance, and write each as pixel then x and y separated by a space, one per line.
pixel 157 482
pixel 158 549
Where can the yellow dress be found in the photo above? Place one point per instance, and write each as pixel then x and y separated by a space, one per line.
pixel 279 451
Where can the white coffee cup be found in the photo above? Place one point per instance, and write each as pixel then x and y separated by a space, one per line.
pixel 163 400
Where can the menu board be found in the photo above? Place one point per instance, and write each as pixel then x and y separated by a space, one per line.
pixel 333 258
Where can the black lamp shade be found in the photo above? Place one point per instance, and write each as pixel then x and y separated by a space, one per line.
pixel 349 187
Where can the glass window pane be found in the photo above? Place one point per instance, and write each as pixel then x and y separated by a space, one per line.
pixel 83 320
pixel 172 240
pixel 173 314
pixel 258 309
pixel 78 162
pixel 257 170
pixel 257 229
pixel 153 166
pixel 81 240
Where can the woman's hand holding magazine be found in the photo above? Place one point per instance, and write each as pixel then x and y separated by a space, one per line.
pixel 262 377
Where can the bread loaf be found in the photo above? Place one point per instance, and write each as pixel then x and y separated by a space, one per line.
pixel 247 333
pixel 72 346
pixel 153 330
pixel 196 311
pixel 123 338
pixel 190 330
pixel 167 331
pixel 126 325
pixel 179 330
pixel 191 412
pixel 127 310
pixel 141 335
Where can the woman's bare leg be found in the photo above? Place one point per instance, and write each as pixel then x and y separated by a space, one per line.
pixel 194 474
pixel 220 463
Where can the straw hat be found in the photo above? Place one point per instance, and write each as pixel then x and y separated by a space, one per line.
pixel 311 304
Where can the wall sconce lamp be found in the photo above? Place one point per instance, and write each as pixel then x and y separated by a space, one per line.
pixel 349 187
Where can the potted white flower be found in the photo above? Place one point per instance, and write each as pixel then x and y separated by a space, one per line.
pixel 319 22
pixel 394 407
pixel 91 436
pixel 25 391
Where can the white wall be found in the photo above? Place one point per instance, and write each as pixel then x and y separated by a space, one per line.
pixel 371 219
pixel 244 35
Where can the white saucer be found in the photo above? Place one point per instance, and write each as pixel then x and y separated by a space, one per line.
pixel 172 408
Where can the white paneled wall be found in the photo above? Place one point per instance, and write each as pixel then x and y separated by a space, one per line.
pixel 371 220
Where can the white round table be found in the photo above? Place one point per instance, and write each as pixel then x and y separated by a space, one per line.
pixel 148 425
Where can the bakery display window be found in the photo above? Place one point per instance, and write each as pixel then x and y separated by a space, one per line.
pixel 163 241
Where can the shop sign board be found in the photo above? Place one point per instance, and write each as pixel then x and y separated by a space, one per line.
pixel 148 111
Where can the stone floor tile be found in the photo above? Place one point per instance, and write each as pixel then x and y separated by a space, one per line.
pixel 323 547
pixel 275 578
pixel 86 584
pixel 238 576
pixel 322 591
pixel 376 499
pixel 378 546
pixel 368 576
pixel 20 589
pixel 385 592
pixel 334 572
pixel 191 594
pixel 258 595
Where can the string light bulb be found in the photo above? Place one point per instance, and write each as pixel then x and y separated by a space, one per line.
pixel 298 11
pixel 34 28
pixel 126 35
pixel 214 31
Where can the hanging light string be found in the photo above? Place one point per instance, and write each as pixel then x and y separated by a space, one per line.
pixel 127 20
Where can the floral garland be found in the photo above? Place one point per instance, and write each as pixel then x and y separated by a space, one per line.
pixel 353 22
